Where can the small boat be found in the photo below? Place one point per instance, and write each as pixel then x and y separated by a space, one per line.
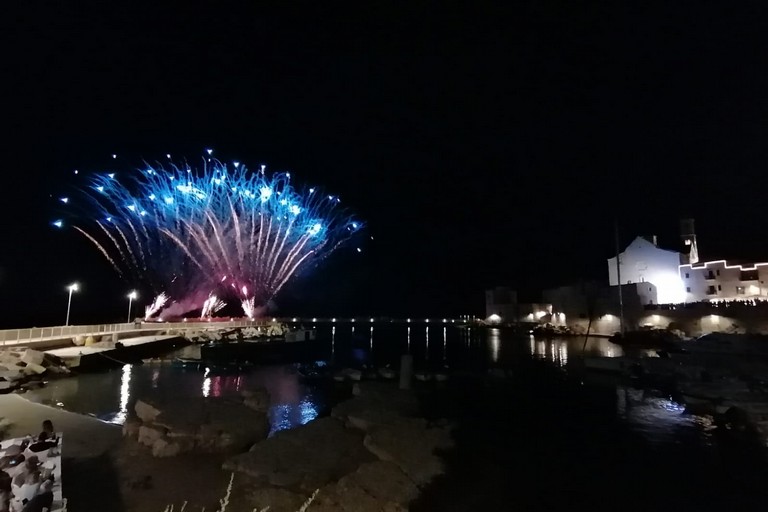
pixel 646 338
pixel 313 371
pixel 187 362
pixel 422 376
pixel 387 373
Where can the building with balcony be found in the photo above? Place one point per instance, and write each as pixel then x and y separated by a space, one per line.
pixel 722 281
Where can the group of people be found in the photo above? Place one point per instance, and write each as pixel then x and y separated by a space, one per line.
pixel 25 484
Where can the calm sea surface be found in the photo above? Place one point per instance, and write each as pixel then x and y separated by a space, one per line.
pixel 571 440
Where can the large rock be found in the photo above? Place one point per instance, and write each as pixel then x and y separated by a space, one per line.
pixel 145 411
pixel 131 427
pixel 205 424
pixel 34 368
pixel 278 500
pixel 148 434
pixel 257 399
pixel 382 480
pixel 410 446
pixel 165 448
pixel 33 357
pixel 308 456
pixel 376 404
pixel 343 497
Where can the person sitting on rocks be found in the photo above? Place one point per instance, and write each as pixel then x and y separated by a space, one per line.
pixel 48 432
pixel 46 439
pixel 30 466
pixel 5 492
pixel 30 488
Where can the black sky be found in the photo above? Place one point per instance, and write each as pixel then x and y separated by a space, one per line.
pixel 484 144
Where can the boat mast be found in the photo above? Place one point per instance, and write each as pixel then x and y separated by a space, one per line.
pixel 618 277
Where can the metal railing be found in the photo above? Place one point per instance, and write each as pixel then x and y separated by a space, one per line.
pixel 39 334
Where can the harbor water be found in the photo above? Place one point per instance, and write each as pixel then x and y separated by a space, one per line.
pixel 549 437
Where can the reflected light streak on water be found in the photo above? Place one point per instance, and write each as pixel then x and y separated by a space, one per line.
pixel 333 340
pixel 493 337
pixel 206 383
pixel 426 345
pixel 445 344
pixel 371 339
pixel 408 339
pixel 125 395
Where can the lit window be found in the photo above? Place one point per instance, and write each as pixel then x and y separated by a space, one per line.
pixel 739 290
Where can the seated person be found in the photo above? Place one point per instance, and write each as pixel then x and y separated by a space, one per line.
pixel 46 439
pixel 5 492
pixel 13 457
pixel 30 487
pixel 30 466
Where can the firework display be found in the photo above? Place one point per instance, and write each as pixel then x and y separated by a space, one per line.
pixel 155 306
pixel 212 305
pixel 218 229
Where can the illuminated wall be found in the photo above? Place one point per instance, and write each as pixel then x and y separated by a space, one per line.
pixel 501 301
pixel 642 261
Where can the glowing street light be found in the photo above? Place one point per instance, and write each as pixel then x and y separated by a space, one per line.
pixel 131 297
pixel 72 288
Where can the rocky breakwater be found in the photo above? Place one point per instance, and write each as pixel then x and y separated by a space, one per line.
pixel 24 367
pixel 199 424
pixel 373 454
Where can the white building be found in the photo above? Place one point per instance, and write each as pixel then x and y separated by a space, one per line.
pixel 644 262
pixel 718 280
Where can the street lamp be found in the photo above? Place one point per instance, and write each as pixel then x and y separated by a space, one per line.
pixel 131 296
pixel 72 288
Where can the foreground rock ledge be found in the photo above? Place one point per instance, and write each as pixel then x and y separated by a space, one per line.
pixel 373 454
pixel 207 425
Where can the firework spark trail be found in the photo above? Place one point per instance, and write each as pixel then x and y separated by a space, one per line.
pixel 212 305
pixel 101 248
pixel 249 307
pixel 156 306
pixel 200 228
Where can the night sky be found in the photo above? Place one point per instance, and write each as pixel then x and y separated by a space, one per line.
pixel 484 145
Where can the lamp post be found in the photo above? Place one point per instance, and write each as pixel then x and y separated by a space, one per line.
pixel 131 296
pixel 72 288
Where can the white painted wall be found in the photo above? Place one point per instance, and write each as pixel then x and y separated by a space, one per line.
pixel 725 280
pixel 642 261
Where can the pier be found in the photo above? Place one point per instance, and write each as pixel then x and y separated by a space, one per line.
pixel 57 336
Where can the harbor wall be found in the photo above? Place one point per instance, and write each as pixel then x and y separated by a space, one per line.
pixel 691 319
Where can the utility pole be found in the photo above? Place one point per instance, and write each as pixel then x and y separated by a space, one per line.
pixel 618 277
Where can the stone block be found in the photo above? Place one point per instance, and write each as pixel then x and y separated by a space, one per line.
pixel 148 434
pixel 146 412
pixel 33 368
pixel 164 448
pixel 411 447
pixel 33 357
pixel 258 400
pixel 131 427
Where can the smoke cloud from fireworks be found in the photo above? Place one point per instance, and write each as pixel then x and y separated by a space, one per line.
pixel 221 229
